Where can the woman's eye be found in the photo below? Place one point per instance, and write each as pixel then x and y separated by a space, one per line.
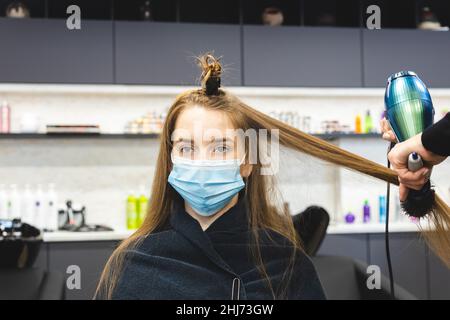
pixel 221 149
pixel 185 149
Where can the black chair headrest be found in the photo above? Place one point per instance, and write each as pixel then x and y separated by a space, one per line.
pixel 312 224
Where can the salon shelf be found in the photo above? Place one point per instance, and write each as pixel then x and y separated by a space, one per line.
pixel 78 136
pixel 324 136
pixel 335 136
pixel 67 236
pixel 359 228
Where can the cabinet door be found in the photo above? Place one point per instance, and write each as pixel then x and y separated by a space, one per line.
pixel 439 278
pixel 90 257
pixel 164 53
pixel 45 51
pixel 302 56
pixel 347 245
pixel 42 258
pixel 409 260
pixel 388 51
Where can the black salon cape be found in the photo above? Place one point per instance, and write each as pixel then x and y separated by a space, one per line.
pixel 185 262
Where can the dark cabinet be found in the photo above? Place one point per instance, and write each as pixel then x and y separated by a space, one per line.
pixel 408 257
pixel 46 51
pixel 42 258
pixel 302 56
pixel 90 257
pixel 347 245
pixel 164 53
pixel 388 51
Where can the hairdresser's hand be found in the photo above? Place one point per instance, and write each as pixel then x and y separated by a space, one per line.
pixel 398 156
pixel 386 131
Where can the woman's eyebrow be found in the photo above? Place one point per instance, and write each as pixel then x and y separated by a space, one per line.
pixel 181 139
pixel 225 139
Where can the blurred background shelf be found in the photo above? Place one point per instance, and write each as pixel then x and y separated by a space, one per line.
pixel 325 136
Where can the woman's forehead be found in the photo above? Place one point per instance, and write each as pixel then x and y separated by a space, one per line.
pixel 197 122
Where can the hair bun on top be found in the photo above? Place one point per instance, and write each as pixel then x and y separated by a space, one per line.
pixel 211 72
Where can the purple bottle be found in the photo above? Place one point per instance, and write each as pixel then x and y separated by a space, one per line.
pixel 366 212
pixel 349 217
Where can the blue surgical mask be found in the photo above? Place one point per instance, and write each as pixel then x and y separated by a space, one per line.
pixel 207 185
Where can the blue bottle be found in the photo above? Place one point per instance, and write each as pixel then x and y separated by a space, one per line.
pixel 382 206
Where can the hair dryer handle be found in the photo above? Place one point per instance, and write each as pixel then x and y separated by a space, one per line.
pixel 414 162
pixel 418 202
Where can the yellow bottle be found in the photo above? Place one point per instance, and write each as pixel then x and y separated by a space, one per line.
pixel 142 203
pixel 131 211
pixel 358 128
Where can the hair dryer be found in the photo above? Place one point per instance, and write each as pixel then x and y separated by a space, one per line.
pixel 409 111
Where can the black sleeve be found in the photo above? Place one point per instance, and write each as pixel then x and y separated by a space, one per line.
pixel 437 137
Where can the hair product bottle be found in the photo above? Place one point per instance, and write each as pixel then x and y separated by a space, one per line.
pixel 14 203
pixel 39 213
pixel 131 211
pixel 51 215
pixel 366 211
pixel 5 118
pixel 368 124
pixel 382 206
pixel 3 203
pixel 358 128
pixel 142 206
pixel 28 205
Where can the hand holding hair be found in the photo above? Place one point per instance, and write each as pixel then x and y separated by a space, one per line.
pixel 398 156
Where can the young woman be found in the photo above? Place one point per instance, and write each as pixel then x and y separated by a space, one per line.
pixel 213 228
pixel 211 231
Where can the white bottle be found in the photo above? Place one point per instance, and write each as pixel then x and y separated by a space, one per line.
pixel 39 200
pixel 51 208
pixel 14 203
pixel 3 203
pixel 28 205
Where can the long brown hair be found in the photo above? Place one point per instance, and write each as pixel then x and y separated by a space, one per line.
pixel 263 213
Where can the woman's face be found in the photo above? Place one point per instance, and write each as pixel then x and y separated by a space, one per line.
pixel 204 134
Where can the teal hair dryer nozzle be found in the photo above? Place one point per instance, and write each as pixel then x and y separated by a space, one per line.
pixel 409 111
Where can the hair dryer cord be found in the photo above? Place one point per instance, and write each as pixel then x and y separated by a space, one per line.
pixel 386 231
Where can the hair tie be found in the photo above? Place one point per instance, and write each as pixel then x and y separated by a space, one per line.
pixel 212 86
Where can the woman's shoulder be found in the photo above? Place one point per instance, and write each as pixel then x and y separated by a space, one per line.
pixel 154 241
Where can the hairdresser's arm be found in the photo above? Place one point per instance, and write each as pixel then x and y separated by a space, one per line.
pixel 437 137
pixel 398 157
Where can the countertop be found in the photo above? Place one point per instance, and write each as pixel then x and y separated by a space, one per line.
pixel 117 235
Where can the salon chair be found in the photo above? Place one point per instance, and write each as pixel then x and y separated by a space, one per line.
pixel 20 244
pixel 342 278
pixel 345 278
pixel 311 225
